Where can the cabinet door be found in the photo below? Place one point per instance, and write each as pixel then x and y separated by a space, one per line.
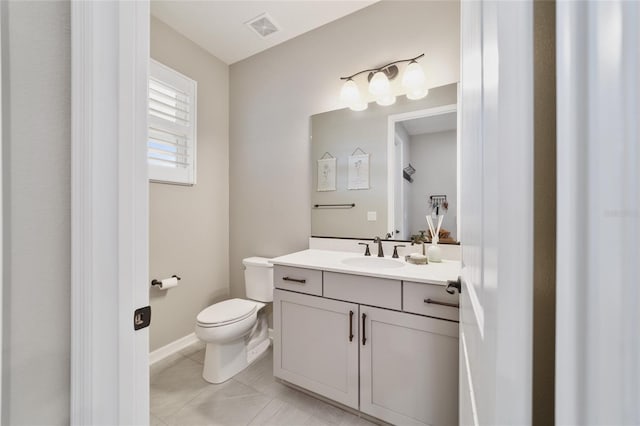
pixel 316 345
pixel 408 368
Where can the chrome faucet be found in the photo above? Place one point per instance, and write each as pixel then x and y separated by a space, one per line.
pixel 379 242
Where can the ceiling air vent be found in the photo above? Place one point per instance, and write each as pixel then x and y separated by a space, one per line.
pixel 263 25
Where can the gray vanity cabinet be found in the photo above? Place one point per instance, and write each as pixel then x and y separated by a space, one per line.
pixel 408 368
pixel 366 343
pixel 317 345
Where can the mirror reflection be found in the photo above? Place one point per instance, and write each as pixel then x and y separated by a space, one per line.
pixel 381 171
pixel 425 176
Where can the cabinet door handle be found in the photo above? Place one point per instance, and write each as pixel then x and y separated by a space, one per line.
pixel 295 280
pixel 435 302
pixel 351 326
pixel 364 334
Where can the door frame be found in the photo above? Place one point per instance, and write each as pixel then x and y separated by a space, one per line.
pixel 598 157
pixel 2 6
pixel 109 212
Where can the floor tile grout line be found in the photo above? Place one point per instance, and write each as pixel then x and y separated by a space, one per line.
pixel 197 394
pixel 205 389
pixel 170 365
pixel 253 385
pixel 261 410
pixel 194 360
pixel 166 419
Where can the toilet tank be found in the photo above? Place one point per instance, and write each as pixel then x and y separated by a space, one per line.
pixel 258 279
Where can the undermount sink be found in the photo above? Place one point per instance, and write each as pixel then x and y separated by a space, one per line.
pixel 373 262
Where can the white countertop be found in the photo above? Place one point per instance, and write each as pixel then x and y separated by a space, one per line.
pixel 330 260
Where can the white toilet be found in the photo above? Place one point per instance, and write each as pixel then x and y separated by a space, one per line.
pixel 236 330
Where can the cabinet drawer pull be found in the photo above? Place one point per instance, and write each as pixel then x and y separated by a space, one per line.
pixel 295 280
pixel 351 326
pixel 435 302
pixel 364 334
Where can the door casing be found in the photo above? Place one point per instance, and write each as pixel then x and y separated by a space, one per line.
pixel 109 212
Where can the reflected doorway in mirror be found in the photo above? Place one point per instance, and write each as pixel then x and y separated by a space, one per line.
pixel 424 142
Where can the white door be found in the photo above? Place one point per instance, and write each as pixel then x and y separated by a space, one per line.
pixel 316 345
pixel 408 368
pixel 497 211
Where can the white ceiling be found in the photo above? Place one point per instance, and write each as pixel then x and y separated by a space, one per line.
pixel 434 124
pixel 219 26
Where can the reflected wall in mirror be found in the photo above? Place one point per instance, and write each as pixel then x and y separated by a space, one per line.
pixel 417 132
pixel 426 157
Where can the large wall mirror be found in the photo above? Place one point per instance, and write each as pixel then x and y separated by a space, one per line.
pixel 379 172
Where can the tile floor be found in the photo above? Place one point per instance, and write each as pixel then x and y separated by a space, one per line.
pixel 179 396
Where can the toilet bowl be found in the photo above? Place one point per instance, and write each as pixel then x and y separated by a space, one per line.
pixel 235 330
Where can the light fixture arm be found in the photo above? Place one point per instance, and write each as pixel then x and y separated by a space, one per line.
pixel 382 67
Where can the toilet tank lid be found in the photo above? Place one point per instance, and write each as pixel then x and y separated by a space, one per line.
pixel 257 261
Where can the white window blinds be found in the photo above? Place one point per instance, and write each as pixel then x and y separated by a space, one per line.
pixel 171 150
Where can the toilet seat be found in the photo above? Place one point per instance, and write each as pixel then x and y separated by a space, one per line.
pixel 226 312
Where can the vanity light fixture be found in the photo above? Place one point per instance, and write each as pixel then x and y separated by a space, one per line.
pixel 413 81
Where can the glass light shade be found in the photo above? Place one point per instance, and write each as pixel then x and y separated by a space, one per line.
pixel 386 100
pixel 417 94
pixel 379 85
pixel 359 106
pixel 413 77
pixel 350 94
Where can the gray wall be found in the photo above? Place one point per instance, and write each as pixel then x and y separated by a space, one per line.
pixel 340 132
pixel 274 93
pixel 434 156
pixel 36 176
pixel 189 225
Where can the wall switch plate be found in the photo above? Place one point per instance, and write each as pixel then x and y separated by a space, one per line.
pixel 372 216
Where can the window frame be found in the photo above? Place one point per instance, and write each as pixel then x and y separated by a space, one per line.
pixel 173 175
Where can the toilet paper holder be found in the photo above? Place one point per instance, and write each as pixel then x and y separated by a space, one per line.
pixel 158 282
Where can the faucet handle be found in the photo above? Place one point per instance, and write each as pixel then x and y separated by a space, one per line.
pixel 395 250
pixel 366 252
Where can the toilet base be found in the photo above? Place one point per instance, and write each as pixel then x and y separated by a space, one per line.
pixel 223 361
pixel 255 353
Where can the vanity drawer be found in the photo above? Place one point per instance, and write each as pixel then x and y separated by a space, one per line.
pixel 380 292
pixel 414 298
pixel 298 279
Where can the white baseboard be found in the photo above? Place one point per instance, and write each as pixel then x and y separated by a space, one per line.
pixel 177 345
pixel 173 347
